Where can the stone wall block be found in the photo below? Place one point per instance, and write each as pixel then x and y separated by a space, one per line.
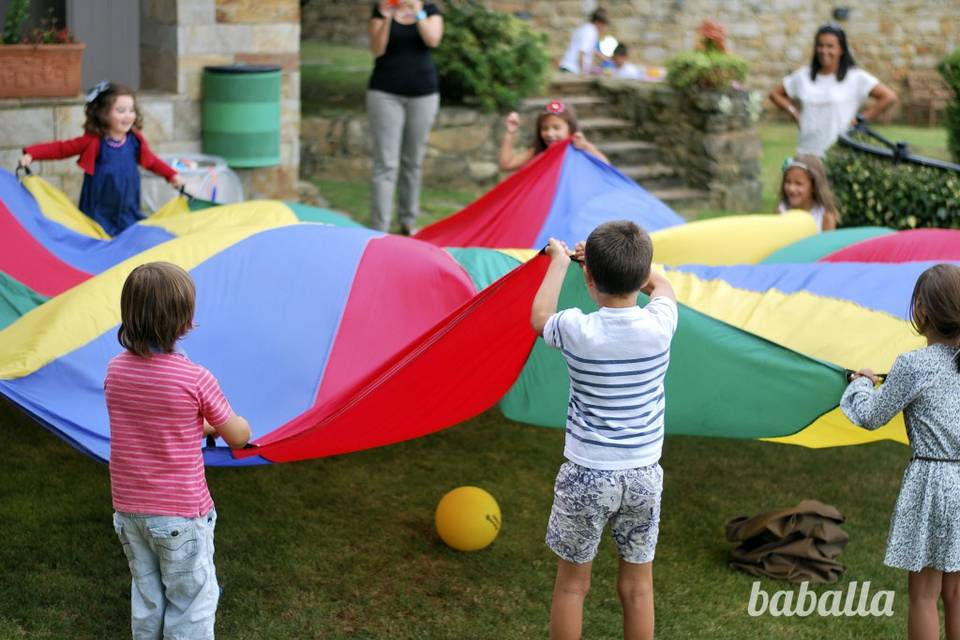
pixel 459 139
pixel 357 137
pixel 455 117
pixel 196 11
pixel 158 119
pixel 160 37
pixel 9 157
pixel 22 127
pixel 159 11
pixel 253 11
pixel 68 121
pixel 186 120
pixel 273 38
pixel 224 39
pixel 158 69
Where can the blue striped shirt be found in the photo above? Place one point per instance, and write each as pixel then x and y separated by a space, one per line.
pixel 617 359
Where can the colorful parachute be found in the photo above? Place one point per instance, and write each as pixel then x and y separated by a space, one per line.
pixel 336 339
pixel 563 193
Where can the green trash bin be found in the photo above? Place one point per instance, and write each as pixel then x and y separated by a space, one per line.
pixel 241 114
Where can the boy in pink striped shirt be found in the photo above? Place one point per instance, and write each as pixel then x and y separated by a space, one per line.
pixel 161 406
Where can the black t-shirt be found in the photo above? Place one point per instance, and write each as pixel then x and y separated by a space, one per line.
pixel 406 68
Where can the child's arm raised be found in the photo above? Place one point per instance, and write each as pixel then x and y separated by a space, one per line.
pixel 545 302
pixel 658 286
pixel 510 161
pixel 580 142
pixel 871 407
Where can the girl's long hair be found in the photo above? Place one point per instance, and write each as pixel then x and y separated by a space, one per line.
pixel 935 303
pixel 846 59
pixel 567 115
pixel 822 194
pixel 97 110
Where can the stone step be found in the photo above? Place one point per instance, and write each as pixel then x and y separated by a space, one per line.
pixel 629 152
pixel 606 129
pixel 645 174
pixel 584 106
pixel 568 84
pixel 682 197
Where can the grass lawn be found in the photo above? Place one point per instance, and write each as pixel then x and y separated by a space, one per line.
pixel 333 78
pixel 345 547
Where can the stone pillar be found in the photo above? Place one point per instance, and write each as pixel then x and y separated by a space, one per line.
pixel 711 136
pixel 181 37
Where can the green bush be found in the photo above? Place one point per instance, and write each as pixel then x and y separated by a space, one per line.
pixel 949 68
pixel 873 191
pixel 17 13
pixel 705 70
pixel 489 58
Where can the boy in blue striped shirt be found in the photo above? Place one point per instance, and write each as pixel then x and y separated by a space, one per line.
pixel 617 357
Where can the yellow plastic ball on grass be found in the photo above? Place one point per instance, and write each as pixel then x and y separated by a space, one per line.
pixel 468 518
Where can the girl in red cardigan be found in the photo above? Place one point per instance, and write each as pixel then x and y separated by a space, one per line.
pixel 110 150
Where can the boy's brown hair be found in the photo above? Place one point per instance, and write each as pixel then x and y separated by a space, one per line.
pixel 935 303
pixel 618 255
pixel 156 308
pixel 98 109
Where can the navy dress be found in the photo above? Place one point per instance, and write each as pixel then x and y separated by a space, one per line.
pixel 111 196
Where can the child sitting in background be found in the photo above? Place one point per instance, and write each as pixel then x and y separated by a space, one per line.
pixel 110 150
pixel 557 122
pixel 805 186
pixel 160 406
pixel 624 69
pixel 579 55
pixel 614 431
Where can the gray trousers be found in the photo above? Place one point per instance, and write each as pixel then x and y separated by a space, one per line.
pixel 399 127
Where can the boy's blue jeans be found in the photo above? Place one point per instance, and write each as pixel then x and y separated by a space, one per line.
pixel 174 591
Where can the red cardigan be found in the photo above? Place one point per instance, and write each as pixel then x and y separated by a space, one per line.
pixel 88 147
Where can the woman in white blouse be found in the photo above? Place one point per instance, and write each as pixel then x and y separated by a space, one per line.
pixel 829 93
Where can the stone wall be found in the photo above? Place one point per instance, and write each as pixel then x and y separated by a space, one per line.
pixel 461 151
pixel 888 38
pixel 710 136
pixel 178 38
pixel 170 123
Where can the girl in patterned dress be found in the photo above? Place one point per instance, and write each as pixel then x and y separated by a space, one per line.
pixel 925 384
pixel 110 150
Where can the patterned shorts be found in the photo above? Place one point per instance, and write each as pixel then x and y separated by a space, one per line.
pixel 585 500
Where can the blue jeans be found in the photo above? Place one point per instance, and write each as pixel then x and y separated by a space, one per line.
pixel 174 591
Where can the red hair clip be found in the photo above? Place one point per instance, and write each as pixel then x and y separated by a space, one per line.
pixel 555 107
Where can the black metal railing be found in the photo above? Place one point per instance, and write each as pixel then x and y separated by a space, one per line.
pixel 897 152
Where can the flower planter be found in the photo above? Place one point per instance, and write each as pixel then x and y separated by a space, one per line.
pixel 40 70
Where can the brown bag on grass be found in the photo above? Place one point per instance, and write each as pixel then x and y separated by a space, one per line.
pixel 799 544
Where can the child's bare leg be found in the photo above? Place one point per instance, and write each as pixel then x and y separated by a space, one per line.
pixel 923 621
pixel 950 592
pixel 569 592
pixel 635 586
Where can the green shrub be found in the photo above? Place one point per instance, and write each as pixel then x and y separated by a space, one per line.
pixel 489 58
pixel 874 191
pixel 705 70
pixel 949 68
pixel 17 13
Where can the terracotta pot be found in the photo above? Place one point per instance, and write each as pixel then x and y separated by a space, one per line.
pixel 40 70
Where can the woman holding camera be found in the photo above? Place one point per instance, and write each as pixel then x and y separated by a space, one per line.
pixel 402 101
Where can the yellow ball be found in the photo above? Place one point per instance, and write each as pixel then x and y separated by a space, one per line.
pixel 468 518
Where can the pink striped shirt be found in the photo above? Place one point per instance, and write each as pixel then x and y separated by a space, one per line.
pixel 156 407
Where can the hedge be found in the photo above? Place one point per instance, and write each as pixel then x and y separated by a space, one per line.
pixel 871 190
